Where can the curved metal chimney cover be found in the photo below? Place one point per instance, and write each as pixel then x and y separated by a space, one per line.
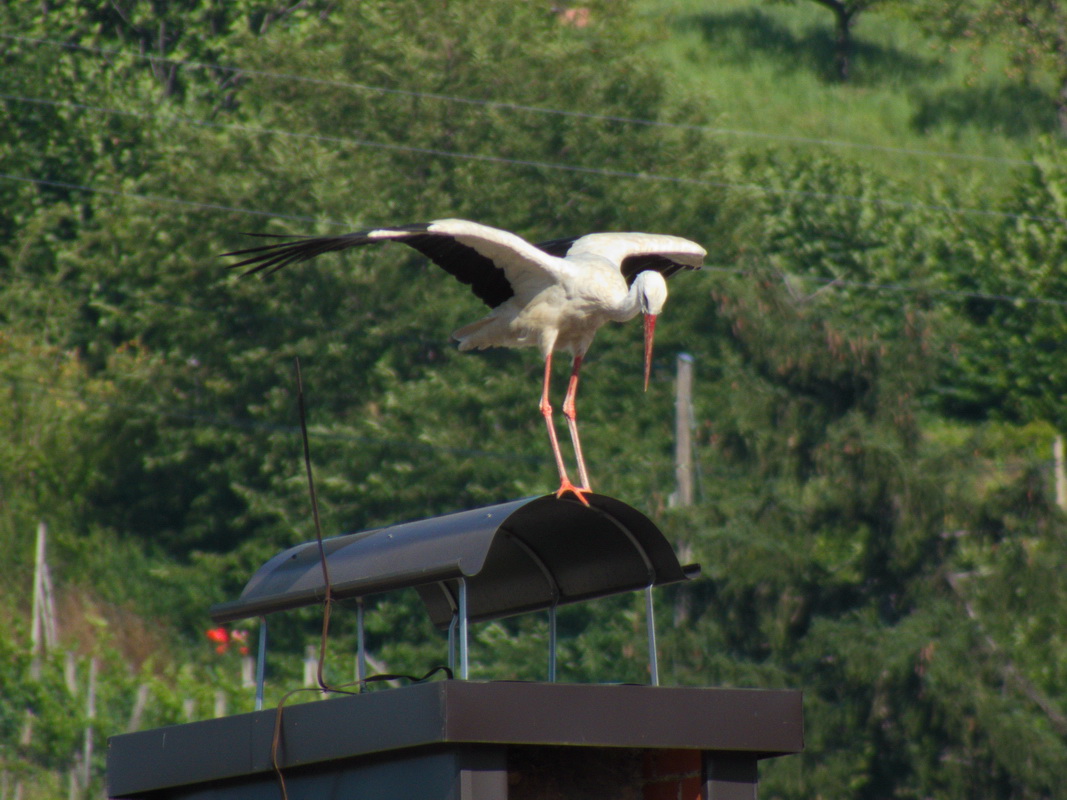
pixel 516 557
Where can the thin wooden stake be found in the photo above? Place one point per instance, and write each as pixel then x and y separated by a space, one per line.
pixel 1060 470
pixel 139 705
pixel 43 634
pixel 311 665
pixel 74 786
pixel 248 672
pixel 26 734
pixel 37 614
pixel 90 715
pixel 683 430
pixel 70 673
pixel 48 609
pixel 220 704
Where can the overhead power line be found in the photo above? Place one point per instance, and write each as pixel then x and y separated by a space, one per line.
pixel 513 106
pixel 529 163
pixel 928 290
pixel 827 280
pixel 151 198
pixel 904 288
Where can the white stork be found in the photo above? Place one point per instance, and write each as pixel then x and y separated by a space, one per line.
pixel 554 295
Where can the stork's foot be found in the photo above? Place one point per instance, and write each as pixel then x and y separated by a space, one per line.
pixel 580 492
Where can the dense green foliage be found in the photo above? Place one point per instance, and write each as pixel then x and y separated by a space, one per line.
pixel 876 339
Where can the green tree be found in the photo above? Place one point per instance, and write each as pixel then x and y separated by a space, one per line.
pixel 846 14
pixel 1006 355
pixel 1033 32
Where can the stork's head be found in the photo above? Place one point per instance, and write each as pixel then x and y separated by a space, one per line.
pixel 651 294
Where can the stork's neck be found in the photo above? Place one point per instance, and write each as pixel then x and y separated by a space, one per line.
pixel 629 307
pixel 647 294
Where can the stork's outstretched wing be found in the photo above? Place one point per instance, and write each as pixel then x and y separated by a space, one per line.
pixel 494 263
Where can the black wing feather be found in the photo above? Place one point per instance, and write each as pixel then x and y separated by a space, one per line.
pixel 632 266
pixel 465 264
pixel 272 257
pixel 486 279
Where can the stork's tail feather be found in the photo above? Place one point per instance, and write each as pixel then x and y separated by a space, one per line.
pixel 468 337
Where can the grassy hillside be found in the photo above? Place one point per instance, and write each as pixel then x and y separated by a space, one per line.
pixel 762 73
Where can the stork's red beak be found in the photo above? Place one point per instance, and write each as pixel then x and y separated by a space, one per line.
pixel 650 330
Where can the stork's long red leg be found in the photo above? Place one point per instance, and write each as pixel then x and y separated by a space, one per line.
pixel 570 411
pixel 565 484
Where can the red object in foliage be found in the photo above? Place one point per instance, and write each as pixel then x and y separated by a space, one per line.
pixel 221 637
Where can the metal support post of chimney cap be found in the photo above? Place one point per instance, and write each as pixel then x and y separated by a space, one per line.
pixel 464 659
pixel 361 647
pixel 552 644
pixel 261 663
pixel 650 622
pixel 452 643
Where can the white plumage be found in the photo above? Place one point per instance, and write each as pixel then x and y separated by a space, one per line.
pixel 553 296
